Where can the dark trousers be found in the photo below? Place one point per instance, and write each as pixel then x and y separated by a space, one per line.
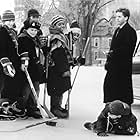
pixel 56 102
pixel 28 97
pixel 10 87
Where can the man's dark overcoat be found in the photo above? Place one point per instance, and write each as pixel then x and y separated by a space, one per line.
pixel 118 79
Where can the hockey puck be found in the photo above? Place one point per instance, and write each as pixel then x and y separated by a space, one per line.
pixel 51 123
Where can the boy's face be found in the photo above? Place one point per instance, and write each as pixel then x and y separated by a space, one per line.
pixel 76 36
pixel 32 32
pixel 120 19
pixel 112 116
pixel 10 23
pixel 61 25
pixel 35 18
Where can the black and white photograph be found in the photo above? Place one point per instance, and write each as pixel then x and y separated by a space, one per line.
pixel 69 69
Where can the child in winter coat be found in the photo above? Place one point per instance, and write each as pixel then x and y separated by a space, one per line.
pixel 61 59
pixel 116 118
pixel 58 80
pixel 73 36
pixel 10 72
pixel 29 48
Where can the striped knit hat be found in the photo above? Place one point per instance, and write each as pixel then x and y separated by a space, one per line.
pixel 8 15
pixel 56 19
pixel 118 107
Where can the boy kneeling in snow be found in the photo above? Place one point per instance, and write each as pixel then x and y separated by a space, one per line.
pixel 115 118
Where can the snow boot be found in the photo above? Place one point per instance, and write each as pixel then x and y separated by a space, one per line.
pixel 56 108
pixel 58 113
pixel 34 112
pixel 63 109
pixel 17 111
pixel 4 116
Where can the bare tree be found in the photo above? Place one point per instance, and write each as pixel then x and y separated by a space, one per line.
pixel 89 13
pixel 135 20
pixel 28 4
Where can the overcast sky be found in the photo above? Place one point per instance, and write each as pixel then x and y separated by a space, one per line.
pixel 6 5
pixel 131 4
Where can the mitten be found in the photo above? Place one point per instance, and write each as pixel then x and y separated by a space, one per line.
pixel 81 60
pixel 24 60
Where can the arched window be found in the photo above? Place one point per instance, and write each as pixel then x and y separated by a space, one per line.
pixel 96 42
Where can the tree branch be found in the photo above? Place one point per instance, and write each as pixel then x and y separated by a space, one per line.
pixel 105 4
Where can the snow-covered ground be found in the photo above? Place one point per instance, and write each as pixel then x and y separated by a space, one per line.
pixel 86 102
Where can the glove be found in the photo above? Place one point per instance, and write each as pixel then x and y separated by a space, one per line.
pixel 9 70
pixel 66 74
pixel 110 53
pixel 81 60
pixel 24 64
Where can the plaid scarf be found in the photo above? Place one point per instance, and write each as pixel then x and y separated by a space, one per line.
pixel 56 34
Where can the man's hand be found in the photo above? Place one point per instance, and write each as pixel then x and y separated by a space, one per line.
pixel 110 53
pixel 66 74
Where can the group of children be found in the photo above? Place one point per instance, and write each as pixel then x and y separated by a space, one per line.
pixel 23 50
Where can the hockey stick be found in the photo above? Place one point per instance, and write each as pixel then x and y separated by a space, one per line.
pixel 44 121
pixel 67 105
pixel 45 86
pixel 44 103
pixel 42 111
pixel 136 49
pixel 44 96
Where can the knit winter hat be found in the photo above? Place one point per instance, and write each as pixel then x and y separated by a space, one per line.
pixel 33 12
pixel 8 15
pixel 32 24
pixel 75 28
pixel 118 107
pixel 56 19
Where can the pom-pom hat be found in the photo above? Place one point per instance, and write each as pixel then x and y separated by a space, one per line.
pixel 75 28
pixel 56 19
pixel 8 15
pixel 118 107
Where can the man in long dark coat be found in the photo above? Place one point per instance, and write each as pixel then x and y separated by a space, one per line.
pixel 118 80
